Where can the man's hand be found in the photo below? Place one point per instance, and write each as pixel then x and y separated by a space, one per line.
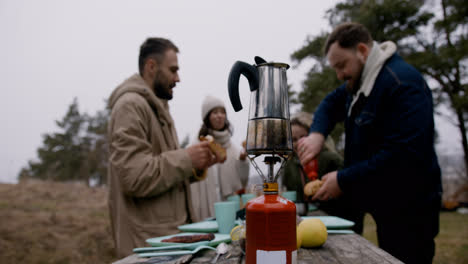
pixel 330 188
pixel 201 155
pixel 309 147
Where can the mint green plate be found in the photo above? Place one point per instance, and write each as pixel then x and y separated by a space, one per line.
pixel 333 222
pixel 210 226
pixel 204 227
pixel 171 253
pixel 312 207
pixel 340 231
pixel 157 241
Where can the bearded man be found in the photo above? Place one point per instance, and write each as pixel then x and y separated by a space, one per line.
pixel 149 175
pixel 390 165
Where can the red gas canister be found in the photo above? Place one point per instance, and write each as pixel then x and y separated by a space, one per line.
pixel 271 228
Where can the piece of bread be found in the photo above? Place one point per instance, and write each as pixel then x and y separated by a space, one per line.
pixel 312 187
pixel 216 148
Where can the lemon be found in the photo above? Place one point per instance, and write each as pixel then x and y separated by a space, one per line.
pixel 299 238
pixel 313 232
pixel 237 233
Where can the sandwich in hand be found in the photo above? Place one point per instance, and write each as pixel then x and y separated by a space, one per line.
pixel 312 187
pixel 216 148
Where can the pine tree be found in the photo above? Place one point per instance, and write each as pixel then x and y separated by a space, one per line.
pixel 61 156
pixel 96 138
pixel 78 152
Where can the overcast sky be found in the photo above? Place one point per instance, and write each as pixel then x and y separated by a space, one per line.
pixel 53 51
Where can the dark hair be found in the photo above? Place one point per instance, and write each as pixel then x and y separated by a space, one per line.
pixel 204 129
pixel 296 122
pixel 348 35
pixel 154 48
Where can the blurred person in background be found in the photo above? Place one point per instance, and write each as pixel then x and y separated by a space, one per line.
pixel 294 178
pixel 390 165
pixel 149 175
pixel 223 179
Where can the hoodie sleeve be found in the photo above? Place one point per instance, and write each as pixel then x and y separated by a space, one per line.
pixel 330 111
pixel 140 171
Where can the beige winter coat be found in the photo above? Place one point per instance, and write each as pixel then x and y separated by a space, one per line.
pixel 148 173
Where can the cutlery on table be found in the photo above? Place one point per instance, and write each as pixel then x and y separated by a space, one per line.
pixel 220 249
pixel 178 252
pixel 179 246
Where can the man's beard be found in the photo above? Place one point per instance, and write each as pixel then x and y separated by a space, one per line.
pixel 352 85
pixel 162 89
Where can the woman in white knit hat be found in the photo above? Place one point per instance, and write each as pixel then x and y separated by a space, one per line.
pixel 223 179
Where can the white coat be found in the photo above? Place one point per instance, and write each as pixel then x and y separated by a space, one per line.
pixel 222 180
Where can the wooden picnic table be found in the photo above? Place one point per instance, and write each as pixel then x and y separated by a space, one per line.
pixel 339 248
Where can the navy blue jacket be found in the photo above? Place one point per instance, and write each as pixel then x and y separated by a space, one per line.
pixel 390 161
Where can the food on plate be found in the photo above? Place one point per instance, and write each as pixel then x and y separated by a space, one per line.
pixel 238 236
pixel 190 238
pixel 216 148
pixel 312 187
pixel 238 232
pixel 311 232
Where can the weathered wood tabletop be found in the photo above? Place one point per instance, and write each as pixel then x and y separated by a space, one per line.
pixel 339 248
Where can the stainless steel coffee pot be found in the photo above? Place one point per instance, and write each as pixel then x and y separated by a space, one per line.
pixel 269 128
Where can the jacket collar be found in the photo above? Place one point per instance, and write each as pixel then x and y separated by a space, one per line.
pixel 374 63
pixel 136 84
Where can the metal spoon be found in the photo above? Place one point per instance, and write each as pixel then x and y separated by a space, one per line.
pixel 220 249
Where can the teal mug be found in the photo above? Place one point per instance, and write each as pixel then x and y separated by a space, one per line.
pixel 225 213
pixel 247 197
pixel 235 198
pixel 290 195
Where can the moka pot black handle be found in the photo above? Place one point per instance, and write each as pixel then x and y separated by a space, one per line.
pixel 250 72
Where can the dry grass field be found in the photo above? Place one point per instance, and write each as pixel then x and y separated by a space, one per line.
pixel 49 222
pixel 451 243
pixel 64 223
